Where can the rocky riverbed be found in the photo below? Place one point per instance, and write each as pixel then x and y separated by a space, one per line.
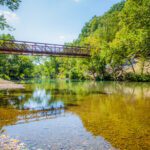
pixel 6 143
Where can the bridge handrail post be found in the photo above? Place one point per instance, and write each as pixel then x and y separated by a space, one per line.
pixel 45 46
pixel 34 49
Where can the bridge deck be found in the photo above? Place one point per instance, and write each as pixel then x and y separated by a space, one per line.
pixel 33 48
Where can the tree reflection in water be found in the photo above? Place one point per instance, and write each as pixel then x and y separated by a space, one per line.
pixel 117 111
pixel 42 100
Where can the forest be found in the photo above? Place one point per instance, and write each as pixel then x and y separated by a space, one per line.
pixel 119 41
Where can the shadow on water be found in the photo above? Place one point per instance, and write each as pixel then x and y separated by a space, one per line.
pixel 119 112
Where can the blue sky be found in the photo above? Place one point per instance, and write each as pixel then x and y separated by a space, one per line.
pixel 53 21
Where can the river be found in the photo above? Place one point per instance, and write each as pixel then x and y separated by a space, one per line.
pixel 67 115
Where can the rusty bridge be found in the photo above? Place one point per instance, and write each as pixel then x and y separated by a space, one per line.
pixel 45 49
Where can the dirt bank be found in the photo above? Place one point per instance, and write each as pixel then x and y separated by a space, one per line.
pixel 9 85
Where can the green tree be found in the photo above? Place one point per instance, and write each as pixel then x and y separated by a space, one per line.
pixel 132 40
pixel 11 4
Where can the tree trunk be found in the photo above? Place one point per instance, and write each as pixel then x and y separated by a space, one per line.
pixel 142 67
pixel 132 66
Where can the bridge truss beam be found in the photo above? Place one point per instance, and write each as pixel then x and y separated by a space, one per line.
pixel 34 48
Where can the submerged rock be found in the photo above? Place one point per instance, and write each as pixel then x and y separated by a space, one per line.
pixel 6 143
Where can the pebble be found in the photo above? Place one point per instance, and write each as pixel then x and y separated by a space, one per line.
pixel 6 143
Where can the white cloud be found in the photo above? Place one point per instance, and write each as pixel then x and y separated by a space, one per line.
pixel 77 1
pixel 11 17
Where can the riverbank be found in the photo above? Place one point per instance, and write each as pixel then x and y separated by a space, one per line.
pixel 9 85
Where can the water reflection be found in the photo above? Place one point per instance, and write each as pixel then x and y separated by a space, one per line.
pixel 117 111
pixel 61 133
pixel 121 120
pixel 41 100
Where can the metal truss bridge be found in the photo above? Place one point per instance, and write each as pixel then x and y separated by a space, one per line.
pixel 45 49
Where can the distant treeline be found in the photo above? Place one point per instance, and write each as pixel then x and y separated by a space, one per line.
pixel 119 40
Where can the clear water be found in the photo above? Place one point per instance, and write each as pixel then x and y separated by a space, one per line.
pixel 78 115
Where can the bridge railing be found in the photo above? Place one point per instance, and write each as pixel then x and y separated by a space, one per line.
pixel 23 47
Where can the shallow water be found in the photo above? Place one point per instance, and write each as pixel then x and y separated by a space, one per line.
pixel 78 115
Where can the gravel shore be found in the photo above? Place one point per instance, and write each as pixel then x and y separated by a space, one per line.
pixel 9 85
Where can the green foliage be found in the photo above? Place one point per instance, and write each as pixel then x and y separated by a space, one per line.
pixel 11 4
pixel 118 39
pixel 99 32
pixel 117 7
pixel 15 67
pixel 3 23
pixel 131 40
pixel 137 78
